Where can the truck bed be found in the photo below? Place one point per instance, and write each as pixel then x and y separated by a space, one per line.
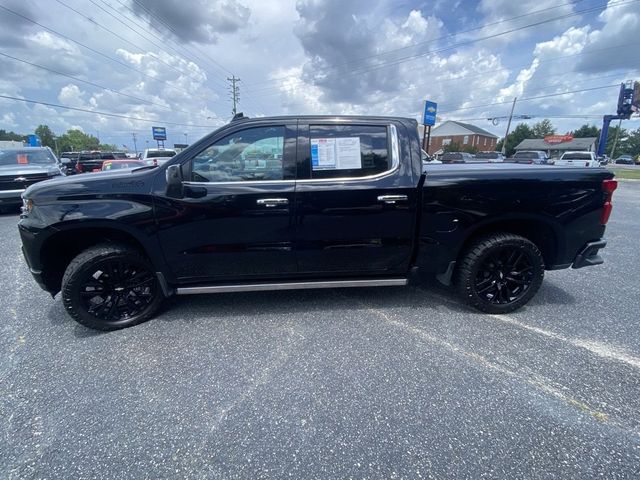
pixel 559 206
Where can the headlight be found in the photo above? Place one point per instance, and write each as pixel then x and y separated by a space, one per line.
pixel 27 206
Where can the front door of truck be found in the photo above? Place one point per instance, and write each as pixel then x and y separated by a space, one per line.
pixel 355 201
pixel 233 221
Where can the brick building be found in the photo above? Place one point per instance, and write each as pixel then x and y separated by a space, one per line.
pixel 464 134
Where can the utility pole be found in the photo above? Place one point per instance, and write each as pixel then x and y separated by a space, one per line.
pixel 504 143
pixel 185 138
pixel 615 141
pixel 135 145
pixel 235 92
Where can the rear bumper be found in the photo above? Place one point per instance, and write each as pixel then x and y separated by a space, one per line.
pixel 588 255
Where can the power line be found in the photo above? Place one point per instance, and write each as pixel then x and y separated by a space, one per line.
pixel 536 97
pixel 106 114
pixel 94 50
pixel 543 87
pixel 168 27
pixel 142 50
pixel 406 47
pixel 469 42
pixel 198 58
pixel 491 71
pixel 77 79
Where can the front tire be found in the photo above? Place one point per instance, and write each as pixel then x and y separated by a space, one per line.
pixel 108 287
pixel 500 273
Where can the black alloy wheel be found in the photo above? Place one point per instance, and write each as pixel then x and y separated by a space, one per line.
pixel 504 276
pixel 500 273
pixel 108 287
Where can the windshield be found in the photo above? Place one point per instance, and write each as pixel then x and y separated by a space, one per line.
pixel 27 157
pixel 576 156
pixel 526 155
pixel 160 153
pixel 487 155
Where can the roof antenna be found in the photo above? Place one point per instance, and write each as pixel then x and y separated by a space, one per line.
pixel 238 116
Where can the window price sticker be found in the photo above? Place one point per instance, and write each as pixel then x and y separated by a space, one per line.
pixel 340 153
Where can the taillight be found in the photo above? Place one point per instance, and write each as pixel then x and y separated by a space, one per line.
pixel 608 187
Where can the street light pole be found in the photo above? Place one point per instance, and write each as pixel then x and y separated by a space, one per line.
pixel 504 143
pixel 185 138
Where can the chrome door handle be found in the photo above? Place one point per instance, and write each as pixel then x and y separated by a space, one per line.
pixel 392 198
pixel 272 202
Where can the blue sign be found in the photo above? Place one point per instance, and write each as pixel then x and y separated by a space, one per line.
pixel 159 133
pixel 34 141
pixel 430 110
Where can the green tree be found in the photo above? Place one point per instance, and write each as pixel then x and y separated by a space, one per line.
pixel 108 147
pixel 633 142
pixel 470 149
pixel 16 137
pixel 543 129
pixel 46 136
pixel 586 131
pixel 620 145
pixel 521 132
pixel 452 147
pixel 77 140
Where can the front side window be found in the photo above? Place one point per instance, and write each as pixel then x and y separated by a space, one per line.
pixel 251 154
pixel 340 151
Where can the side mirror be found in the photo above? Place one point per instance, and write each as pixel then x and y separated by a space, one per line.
pixel 65 161
pixel 174 181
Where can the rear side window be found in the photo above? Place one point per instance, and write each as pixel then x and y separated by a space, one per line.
pixel 339 151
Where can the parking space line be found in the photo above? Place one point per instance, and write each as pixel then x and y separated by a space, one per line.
pixel 532 379
pixel 600 349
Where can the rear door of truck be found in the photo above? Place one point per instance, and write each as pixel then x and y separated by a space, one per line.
pixel 355 198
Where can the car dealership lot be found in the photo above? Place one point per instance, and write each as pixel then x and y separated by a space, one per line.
pixel 389 383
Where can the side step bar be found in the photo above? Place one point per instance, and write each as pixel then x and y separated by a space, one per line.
pixel 257 287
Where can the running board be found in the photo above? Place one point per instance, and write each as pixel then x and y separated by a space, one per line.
pixel 257 287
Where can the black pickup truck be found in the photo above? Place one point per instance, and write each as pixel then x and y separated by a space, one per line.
pixel 307 202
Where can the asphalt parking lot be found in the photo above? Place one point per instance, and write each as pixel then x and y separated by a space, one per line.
pixel 362 383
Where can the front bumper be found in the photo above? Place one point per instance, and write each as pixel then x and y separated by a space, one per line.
pixel 588 255
pixel 11 196
pixel 30 247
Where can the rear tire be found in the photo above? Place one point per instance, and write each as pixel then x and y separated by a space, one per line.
pixel 500 273
pixel 110 286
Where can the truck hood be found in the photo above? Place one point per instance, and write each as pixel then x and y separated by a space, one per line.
pixel 91 184
pixel 17 170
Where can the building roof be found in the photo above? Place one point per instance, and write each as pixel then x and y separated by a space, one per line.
pixel 539 144
pixel 451 127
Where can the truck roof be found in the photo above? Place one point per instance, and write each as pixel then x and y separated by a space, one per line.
pixel 323 118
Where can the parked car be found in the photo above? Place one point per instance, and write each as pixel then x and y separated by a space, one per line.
pixel 157 156
pixel 22 167
pixel 491 157
pixel 537 157
pixel 342 203
pixel 456 157
pixel 637 160
pixel 624 160
pixel 581 159
pixel 120 164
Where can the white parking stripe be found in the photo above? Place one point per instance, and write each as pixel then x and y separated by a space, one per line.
pixel 600 349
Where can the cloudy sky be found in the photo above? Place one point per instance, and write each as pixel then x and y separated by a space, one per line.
pixel 165 62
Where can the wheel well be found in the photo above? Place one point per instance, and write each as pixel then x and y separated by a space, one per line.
pixel 540 233
pixel 58 251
